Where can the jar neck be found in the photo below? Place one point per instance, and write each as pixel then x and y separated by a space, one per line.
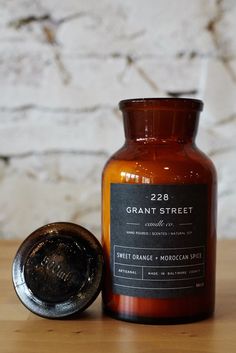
pixel 159 124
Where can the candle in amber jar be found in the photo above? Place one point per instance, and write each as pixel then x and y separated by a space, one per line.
pixel 159 216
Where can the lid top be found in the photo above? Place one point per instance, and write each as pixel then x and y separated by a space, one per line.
pixel 57 270
pixel 161 104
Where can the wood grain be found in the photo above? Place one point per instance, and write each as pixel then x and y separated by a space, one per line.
pixel 23 332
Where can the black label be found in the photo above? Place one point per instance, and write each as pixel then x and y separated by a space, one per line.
pixel 158 239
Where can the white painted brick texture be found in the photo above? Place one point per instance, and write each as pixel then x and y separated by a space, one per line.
pixel 64 66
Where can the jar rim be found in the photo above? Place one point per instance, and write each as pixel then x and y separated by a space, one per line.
pixel 161 103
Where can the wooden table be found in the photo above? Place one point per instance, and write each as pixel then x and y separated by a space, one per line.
pixel 23 332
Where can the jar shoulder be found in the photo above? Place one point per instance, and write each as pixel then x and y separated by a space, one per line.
pixel 182 164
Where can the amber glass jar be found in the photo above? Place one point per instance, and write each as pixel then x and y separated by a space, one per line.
pixel 159 216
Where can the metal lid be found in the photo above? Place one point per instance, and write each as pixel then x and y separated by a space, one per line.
pixel 57 270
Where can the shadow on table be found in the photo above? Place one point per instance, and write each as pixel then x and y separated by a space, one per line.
pixel 225 300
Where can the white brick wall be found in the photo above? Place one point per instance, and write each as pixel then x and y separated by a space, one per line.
pixel 64 66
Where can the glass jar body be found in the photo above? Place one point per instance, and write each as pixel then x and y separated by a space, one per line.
pixel 158 163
